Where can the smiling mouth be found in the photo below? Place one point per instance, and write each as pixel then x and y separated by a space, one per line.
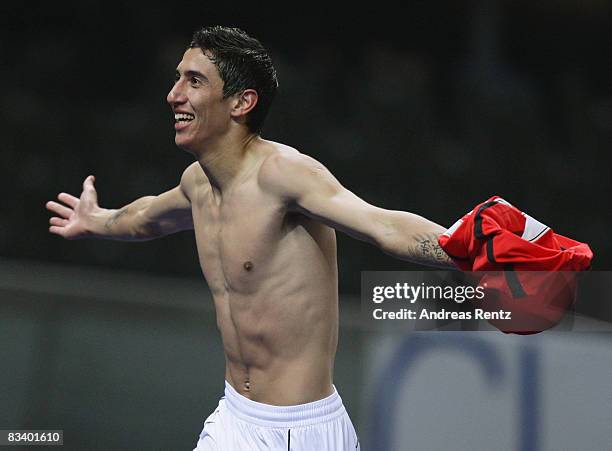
pixel 183 117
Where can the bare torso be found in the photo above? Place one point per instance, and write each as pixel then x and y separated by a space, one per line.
pixel 273 276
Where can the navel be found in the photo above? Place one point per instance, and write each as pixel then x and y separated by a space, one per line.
pixel 247 385
pixel 248 265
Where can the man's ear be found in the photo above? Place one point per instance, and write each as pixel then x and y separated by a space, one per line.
pixel 244 103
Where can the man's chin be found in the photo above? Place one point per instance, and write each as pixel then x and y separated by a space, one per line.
pixel 181 144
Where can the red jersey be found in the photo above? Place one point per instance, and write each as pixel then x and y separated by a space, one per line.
pixel 496 236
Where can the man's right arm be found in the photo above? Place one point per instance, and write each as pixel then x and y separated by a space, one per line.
pixel 144 219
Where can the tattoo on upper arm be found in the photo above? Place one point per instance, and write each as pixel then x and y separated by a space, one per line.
pixel 429 251
pixel 115 217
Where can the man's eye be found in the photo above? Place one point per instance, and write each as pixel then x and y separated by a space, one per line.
pixel 195 81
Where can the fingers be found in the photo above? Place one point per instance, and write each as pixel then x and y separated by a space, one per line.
pixel 89 182
pixel 59 209
pixel 89 192
pixel 58 227
pixel 57 230
pixel 58 221
pixel 68 199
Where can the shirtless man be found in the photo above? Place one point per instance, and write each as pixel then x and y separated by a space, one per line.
pixel 264 216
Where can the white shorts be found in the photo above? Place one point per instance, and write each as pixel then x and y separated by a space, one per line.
pixel 240 424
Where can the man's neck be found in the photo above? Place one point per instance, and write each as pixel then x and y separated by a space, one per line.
pixel 226 160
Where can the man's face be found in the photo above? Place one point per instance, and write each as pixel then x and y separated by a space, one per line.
pixel 200 112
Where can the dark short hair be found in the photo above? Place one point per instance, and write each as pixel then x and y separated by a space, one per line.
pixel 243 63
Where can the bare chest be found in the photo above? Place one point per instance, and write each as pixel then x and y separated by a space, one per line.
pixel 238 238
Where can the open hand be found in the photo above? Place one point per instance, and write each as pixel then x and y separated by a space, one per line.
pixel 74 215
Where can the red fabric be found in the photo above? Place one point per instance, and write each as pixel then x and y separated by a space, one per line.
pixel 496 236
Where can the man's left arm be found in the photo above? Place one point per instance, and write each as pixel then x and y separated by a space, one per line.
pixel 308 187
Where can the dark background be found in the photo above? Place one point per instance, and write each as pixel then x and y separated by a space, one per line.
pixel 431 107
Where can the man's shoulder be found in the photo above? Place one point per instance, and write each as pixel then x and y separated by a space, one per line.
pixel 281 168
pixel 192 178
pixel 284 163
pixel 278 157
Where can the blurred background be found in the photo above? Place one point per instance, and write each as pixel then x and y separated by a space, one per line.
pixel 429 107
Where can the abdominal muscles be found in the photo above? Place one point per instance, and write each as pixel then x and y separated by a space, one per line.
pixel 277 311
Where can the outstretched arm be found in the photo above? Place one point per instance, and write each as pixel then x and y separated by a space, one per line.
pixel 144 219
pixel 310 188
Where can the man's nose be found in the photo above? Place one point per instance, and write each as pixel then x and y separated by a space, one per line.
pixel 176 95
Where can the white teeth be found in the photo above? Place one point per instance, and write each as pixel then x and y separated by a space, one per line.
pixel 183 117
